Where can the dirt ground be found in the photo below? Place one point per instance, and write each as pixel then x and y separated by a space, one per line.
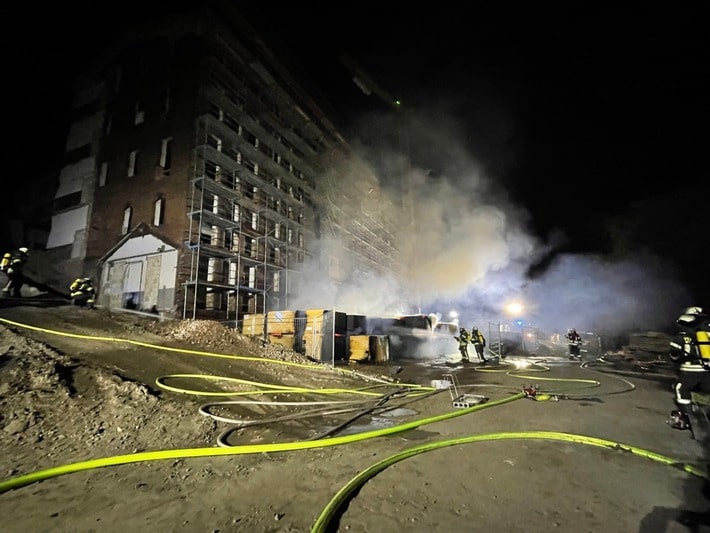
pixel 117 422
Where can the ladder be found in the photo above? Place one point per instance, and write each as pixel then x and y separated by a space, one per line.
pixel 461 401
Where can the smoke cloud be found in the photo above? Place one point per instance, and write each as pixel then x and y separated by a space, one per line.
pixel 468 248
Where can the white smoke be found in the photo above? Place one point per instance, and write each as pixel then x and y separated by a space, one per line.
pixel 467 248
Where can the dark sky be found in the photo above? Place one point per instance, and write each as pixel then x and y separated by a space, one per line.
pixel 605 105
pixel 593 120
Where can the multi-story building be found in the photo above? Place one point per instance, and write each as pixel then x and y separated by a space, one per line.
pixel 201 180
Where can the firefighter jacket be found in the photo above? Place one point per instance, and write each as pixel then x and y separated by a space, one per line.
pixel 478 338
pixel 13 263
pixel 464 338
pixel 693 344
pixel 82 287
pixel 573 337
pixel 5 261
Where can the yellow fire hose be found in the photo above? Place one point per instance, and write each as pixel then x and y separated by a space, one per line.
pixel 335 504
pixel 342 496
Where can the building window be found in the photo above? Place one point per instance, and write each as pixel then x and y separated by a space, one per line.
pixel 167 102
pixel 77 154
pixel 132 163
pixel 277 278
pixel 211 269
pixel 217 237
pixel 126 224
pixel 254 221
pixel 165 153
pixel 66 202
pixel 232 273
pixel 159 211
pixel 215 142
pixel 140 114
pixel 103 172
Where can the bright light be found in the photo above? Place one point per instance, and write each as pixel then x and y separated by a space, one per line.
pixel 514 308
pixel 453 314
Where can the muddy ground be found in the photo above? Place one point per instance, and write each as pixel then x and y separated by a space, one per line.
pixel 113 422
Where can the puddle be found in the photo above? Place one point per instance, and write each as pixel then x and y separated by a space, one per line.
pixel 382 420
pixel 399 411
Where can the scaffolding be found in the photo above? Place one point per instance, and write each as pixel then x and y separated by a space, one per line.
pixel 248 220
pixel 254 213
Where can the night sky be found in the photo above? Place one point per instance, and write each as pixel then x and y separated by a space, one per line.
pixel 583 112
pixel 592 121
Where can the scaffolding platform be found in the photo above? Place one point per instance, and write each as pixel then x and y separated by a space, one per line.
pixel 461 401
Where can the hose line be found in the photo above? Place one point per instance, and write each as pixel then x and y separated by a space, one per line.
pixel 344 495
pixel 40 475
pixel 377 399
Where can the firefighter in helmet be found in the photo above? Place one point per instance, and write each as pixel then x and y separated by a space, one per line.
pixel 464 338
pixel 690 349
pixel 83 292
pixel 479 343
pixel 12 264
pixel 574 340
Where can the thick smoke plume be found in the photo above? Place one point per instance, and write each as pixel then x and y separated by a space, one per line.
pixel 467 248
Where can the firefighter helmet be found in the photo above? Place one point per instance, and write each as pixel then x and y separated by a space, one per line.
pixel 687 320
pixel 23 250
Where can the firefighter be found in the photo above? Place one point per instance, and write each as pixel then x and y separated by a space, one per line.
pixel 479 343
pixel 13 267
pixel 5 261
pixel 464 339
pixel 82 292
pixel 574 340
pixel 691 350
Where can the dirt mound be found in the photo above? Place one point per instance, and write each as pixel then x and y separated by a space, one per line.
pixel 51 404
pixel 212 334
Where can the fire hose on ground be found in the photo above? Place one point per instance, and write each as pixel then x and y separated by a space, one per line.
pixel 332 508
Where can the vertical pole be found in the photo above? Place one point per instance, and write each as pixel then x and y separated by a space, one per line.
pixel 333 340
